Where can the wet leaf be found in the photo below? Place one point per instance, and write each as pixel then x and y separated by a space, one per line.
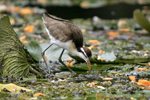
pixel 12 54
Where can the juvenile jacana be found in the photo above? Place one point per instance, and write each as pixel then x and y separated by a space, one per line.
pixel 66 35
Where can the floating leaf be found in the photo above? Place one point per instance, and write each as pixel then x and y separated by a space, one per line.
pixel 13 88
pixel 141 20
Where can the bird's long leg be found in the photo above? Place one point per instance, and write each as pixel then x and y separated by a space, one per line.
pixel 43 53
pixel 63 62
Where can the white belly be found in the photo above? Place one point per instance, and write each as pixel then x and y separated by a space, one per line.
pixel 66 45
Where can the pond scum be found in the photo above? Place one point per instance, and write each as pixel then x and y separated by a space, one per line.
pixel 120 61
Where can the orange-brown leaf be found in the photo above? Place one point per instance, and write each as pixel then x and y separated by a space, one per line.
pixel 25 11
pixel 143 82
pixel 149 64
pixel 91 47
pixel 38 94
pixel 29 28
pixel 92 83
pixel 112 38
pixel 93 41
pixel 69 64
pixel 132 78
pixel 45 56
pixel 113 33
pixel 23 37
pixel 100 52
pixel 141 69
pixel 15 9
pixel 124 30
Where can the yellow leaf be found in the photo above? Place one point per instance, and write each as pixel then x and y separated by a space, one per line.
pixel 107 79
pixel 13 88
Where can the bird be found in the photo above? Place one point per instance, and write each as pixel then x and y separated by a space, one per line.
pixel 67 36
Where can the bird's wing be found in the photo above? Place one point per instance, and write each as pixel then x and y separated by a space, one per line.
pixel 63 30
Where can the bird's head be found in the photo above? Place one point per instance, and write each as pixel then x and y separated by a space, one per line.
pixel 85 54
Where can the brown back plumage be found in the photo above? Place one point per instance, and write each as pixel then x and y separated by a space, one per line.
pixel 63 30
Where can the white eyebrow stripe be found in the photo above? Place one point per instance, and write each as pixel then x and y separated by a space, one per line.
pixel 83 52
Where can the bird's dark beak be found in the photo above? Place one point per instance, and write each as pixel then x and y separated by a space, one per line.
pixel 89 65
